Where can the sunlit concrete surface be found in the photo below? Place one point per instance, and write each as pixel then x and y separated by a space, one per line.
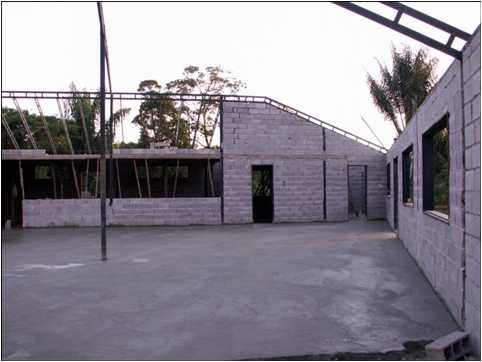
pixel 221 292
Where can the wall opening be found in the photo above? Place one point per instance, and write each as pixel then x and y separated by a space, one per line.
pixel 436 166
pixel 262 190
pixel 395 193
pixel 407 176
pixel 357 191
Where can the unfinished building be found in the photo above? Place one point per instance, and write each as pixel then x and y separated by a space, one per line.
pixel 444 242
pixel 275 164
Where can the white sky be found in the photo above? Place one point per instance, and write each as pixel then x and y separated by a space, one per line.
pixel 311 56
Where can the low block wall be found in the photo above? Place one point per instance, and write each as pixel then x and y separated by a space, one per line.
pixel 158 211
pixel 166 211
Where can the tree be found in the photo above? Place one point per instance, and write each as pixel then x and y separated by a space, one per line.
pixel 36 125
pixel 75 109
pixel 402 90
pixel 159 119
pixel 203 118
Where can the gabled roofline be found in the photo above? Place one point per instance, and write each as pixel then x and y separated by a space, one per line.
pixel 191 97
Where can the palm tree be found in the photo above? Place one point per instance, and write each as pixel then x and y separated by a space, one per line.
pixel 402 90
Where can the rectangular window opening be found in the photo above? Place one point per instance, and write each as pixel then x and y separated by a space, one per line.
pixel 407 176
pixel 436 167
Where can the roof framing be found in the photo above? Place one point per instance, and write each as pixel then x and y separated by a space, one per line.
pixel 394 24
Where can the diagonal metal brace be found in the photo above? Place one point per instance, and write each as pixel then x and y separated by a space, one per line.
pixel 395 25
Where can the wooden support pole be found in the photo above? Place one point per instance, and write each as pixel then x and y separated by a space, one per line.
pixel 46 126
pixel 66 128
pixel 87 176
pixel 54 179
pixel 174 187
pixel 25 124
pixel 166 183
pixel 84 126
pixel 22 186
pixel 137 179
pixel 10 133
pixel 118 178
pixel 210 177
pixel 96 180
pixel 148 178
pixel 76 181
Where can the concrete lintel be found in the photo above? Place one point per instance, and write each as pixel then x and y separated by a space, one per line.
pixel 118 154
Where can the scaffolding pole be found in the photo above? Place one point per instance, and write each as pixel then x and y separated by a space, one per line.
pixel 137 178
pixel 66 128
pixel 25 124
pixel 118 178
pixel 10 133
pixel 46 126
pixel 76 181
pixel 84 125
pixel 22 186
pixel 148 178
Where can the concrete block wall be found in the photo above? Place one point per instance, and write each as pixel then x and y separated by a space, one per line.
pixel 448 251
pixel 336 190
pixel 258 133
pixel 359 154
pixel 155 211
pixel 471 89
pixel 437 245
pixel 64 212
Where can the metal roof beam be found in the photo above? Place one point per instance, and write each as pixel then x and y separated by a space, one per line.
pixel 395 25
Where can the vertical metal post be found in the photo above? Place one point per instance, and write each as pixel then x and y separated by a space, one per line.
pixel 102 135
pixel 111 141
pixel 221 146
pixel 323 135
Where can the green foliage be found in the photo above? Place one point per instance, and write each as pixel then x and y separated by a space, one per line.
pixel 162 120
pixel 36 125
pixel 441 171
pixel 74 108
pixel 159 120
pixel 402 90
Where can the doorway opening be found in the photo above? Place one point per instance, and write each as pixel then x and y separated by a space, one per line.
pixel 357 191
pixel 262 191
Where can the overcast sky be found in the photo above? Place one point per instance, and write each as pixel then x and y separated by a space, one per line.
pixel 311 56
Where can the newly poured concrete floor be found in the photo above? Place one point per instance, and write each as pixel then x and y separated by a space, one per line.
pixel 229 292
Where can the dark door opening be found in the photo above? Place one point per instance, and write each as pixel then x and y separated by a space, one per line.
pixel 395 193
pixel 262 191
pixel 357 191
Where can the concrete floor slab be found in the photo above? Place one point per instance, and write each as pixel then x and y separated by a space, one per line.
pixel 225 292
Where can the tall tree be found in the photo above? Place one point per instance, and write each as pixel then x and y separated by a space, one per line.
pixel 159 119
pixel 203 117
pixel 81 107
pixel 402 89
